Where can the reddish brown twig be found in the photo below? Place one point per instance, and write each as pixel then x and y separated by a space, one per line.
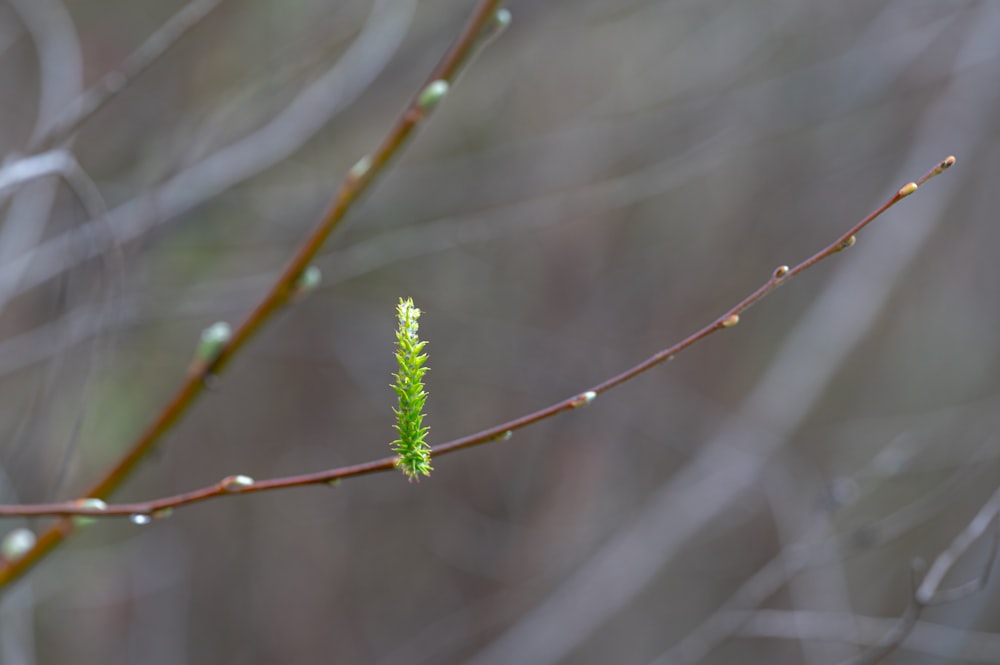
pixel 355 183
pixel 245 485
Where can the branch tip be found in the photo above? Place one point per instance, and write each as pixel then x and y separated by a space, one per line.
pixel 497 25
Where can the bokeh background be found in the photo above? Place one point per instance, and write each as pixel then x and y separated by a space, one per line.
pixel 606 178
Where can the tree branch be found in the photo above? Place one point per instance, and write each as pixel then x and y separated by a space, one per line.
pixel 355 183
pixel 245 485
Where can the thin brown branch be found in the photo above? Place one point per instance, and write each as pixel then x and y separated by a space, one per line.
pixel 355 183
pixel 245 485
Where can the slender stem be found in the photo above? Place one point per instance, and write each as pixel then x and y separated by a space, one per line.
pixel 355 183
pixel 227 487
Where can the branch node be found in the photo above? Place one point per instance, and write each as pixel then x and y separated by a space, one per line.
pixel 846 244
pixel 211 344
pixel 432 95
pixel 360 169
pixel 236 483
pixel 90 504
pixel 308 281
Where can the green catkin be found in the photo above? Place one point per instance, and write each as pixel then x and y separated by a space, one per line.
pixel 411 446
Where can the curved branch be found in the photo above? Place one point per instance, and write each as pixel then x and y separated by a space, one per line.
pixel 246 485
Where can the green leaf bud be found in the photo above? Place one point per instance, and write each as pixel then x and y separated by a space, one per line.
pixel 236 483
pixel 432 94
pixel 16 544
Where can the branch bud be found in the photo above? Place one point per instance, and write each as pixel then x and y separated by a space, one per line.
pixel 236 483
pixel 849 242
pixel 16 544
pixel 307 282
pixel 497 25
pixel 432 95
pixel 360 168
pixel 212 342
pixel 89 503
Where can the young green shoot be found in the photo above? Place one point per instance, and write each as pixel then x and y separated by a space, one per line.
pixel 412 448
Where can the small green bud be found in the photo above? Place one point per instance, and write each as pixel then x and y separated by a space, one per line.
pixel 89 503
pixel 360 168
pixel 432 95
pixel 236 483
pixel 780 272
pixel 497 24
pixel 162 513
pixel 308 281
pixel 16 544
pixel 212 342
pixel 730 320
pixel 583 399
pixel 847 244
